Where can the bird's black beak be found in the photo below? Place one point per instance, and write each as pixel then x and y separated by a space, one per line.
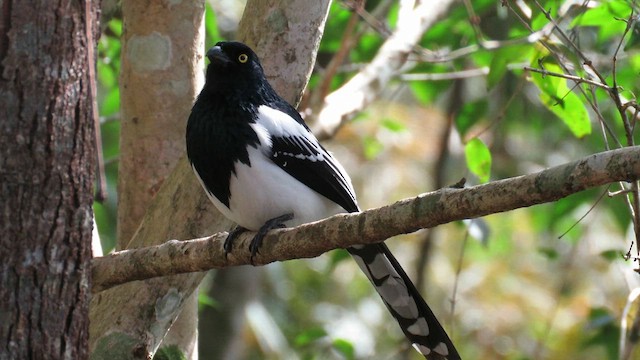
pixel 216 55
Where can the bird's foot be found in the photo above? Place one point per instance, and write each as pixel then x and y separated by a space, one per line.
pixel 228 242
pixel 275 223
pixel 459 184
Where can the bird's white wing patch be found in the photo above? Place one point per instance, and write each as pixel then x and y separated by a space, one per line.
pixel 294 148
pixel 279 123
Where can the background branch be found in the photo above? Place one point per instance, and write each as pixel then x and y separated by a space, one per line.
pixel 374 225
pixel 364 87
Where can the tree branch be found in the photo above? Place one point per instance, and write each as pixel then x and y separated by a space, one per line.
pixel 371 226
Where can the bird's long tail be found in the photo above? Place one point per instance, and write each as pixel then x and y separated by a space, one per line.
pixel 401 297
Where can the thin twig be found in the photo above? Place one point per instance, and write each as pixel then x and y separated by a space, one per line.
pixel 474 20
pixel 604 125
pixel 615 94
pixel 618 193
pixel 431 56
pixel 371 19
pixel 454 75
pixel 593 206
pixel 577 79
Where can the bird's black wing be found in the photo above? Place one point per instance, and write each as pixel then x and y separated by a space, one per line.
pixel 298 152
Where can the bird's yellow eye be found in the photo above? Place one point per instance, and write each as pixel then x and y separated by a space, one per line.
pixel 243 58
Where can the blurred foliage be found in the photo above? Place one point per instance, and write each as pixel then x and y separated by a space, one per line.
pixel 551 281
pixel 108 71
pixel 171 352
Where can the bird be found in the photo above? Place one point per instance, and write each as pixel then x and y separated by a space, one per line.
pixel 262 167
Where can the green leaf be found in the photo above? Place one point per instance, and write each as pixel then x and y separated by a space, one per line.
pixel 205 300
pixel 171 352
pixel 110 132
pixel 427 92
pixel 115 25
pixel 498 67
pixel 604 17
pixel 111 103
pixel 371 147
pixel 611 255
pixel 345 348
pixel 337 256
pixel 333 31
pixel 571 111
pixel 104 219
pixel 634 36
pixel 564 103
pixel 540 19
pixel 308 336
pixel 478 159
pixel 549 253
pixel 107 75
pixel 392 17
pixel 604 332
pixel 367 48
pixel 502 58
pixel 469 115
pixel 393 125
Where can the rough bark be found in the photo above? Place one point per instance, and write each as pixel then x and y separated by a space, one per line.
pixel 129 326
pixel 47 160
pixel 374 225
pixel 289 25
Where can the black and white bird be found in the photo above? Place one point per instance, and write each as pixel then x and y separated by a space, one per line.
pixel 263 168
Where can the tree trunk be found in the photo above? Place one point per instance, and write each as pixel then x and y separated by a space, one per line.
pixel 161 75
pixel 47 160
pixel 162 72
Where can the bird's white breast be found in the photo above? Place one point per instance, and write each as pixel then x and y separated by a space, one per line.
pixel 263 191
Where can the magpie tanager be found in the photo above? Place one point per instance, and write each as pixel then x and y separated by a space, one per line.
pixel 263 168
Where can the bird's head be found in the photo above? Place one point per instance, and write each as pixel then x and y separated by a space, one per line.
pixel 233 64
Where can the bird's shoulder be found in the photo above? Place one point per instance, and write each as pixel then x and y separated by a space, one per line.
pixel 283 106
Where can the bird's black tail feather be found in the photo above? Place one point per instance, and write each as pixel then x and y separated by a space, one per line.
pixel 407 306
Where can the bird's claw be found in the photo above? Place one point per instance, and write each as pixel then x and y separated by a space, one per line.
pixel 228 242
pixel 275 223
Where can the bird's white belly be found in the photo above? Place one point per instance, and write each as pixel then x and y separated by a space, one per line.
pixel 263 191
